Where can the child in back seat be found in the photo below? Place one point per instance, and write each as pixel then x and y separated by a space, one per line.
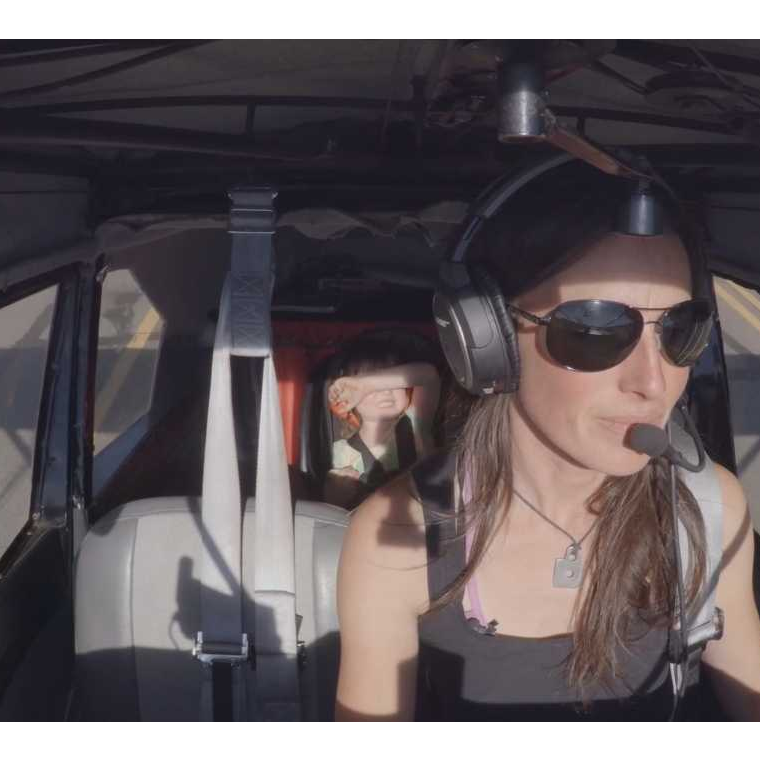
pixel 384 388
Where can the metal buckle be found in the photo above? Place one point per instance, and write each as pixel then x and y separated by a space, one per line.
pixel 210 652
pixel 719 619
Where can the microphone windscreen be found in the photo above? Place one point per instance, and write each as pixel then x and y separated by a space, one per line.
pixel 648 439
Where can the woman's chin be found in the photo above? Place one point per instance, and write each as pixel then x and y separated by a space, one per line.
pixel 611 453
pixel 618 462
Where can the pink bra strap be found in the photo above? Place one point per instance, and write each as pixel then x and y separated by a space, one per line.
pixel 476 608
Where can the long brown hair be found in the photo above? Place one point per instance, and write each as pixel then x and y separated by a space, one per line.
pixel 630 572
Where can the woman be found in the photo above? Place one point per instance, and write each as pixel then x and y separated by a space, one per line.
pixel 534 474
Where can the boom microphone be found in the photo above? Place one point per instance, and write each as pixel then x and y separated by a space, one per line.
pixel 653 441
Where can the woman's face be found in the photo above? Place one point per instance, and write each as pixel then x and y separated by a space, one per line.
pixel 383 405
pixel 586 416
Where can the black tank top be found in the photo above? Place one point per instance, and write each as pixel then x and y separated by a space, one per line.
pixel 467 675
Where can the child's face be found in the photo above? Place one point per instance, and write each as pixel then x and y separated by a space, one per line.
pixel 383 405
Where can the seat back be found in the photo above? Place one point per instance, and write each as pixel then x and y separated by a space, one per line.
pixel 137 609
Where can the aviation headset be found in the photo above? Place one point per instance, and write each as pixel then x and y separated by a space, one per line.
pixel 476 330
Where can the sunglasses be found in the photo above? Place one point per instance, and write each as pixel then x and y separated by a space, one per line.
pixel 593 335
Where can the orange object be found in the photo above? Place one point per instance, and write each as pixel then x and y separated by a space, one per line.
pixel 350 417
pixel 292 373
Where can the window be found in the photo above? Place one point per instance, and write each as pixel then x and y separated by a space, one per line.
pixel 24 341
pixel 128 339
pixel 739 310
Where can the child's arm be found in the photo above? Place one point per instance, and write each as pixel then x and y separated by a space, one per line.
pixel 346 392
pixel 426 395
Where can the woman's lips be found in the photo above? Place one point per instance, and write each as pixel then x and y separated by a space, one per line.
pixel 621 425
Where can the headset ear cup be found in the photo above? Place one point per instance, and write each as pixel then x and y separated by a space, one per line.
pixel 491 293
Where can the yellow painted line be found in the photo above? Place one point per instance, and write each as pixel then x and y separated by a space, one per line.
pixel 745 293
pixel 739 307
pixel 123 366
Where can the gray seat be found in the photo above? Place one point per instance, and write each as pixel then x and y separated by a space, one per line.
pixel 137 609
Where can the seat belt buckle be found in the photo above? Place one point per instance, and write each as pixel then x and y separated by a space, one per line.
pixel 712 630
pixel 211 652
pixel 719 621
pixel 697 638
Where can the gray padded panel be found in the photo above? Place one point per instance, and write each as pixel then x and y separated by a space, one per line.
pixel 136 612
pixel 106 677
pixel 319 530
pixel 137 603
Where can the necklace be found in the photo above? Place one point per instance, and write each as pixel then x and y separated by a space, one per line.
pixel 568 570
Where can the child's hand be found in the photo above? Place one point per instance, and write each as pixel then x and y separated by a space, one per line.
pixel 345 394
pixel 346 472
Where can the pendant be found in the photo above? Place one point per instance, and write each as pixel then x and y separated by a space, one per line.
pixel 568 571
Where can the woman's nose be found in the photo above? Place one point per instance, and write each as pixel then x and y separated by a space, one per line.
pixel 642 371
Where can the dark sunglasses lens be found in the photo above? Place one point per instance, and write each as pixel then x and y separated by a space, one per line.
pixel 592 336
pixel 686 332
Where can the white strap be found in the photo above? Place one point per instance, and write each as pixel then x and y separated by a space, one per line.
pixel 244 329
pixel 251 226
pixel 221 595
pixel 702 621
pixel 277 696
pixel 705 488
pixel 221 607
pixel 274 565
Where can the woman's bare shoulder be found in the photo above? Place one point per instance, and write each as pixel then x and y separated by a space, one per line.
pixel 385 542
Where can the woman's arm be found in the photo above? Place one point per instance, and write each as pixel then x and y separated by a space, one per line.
pixel 734 661
pixel 382 588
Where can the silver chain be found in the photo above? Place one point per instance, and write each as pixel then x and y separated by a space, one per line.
pixel 551 522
